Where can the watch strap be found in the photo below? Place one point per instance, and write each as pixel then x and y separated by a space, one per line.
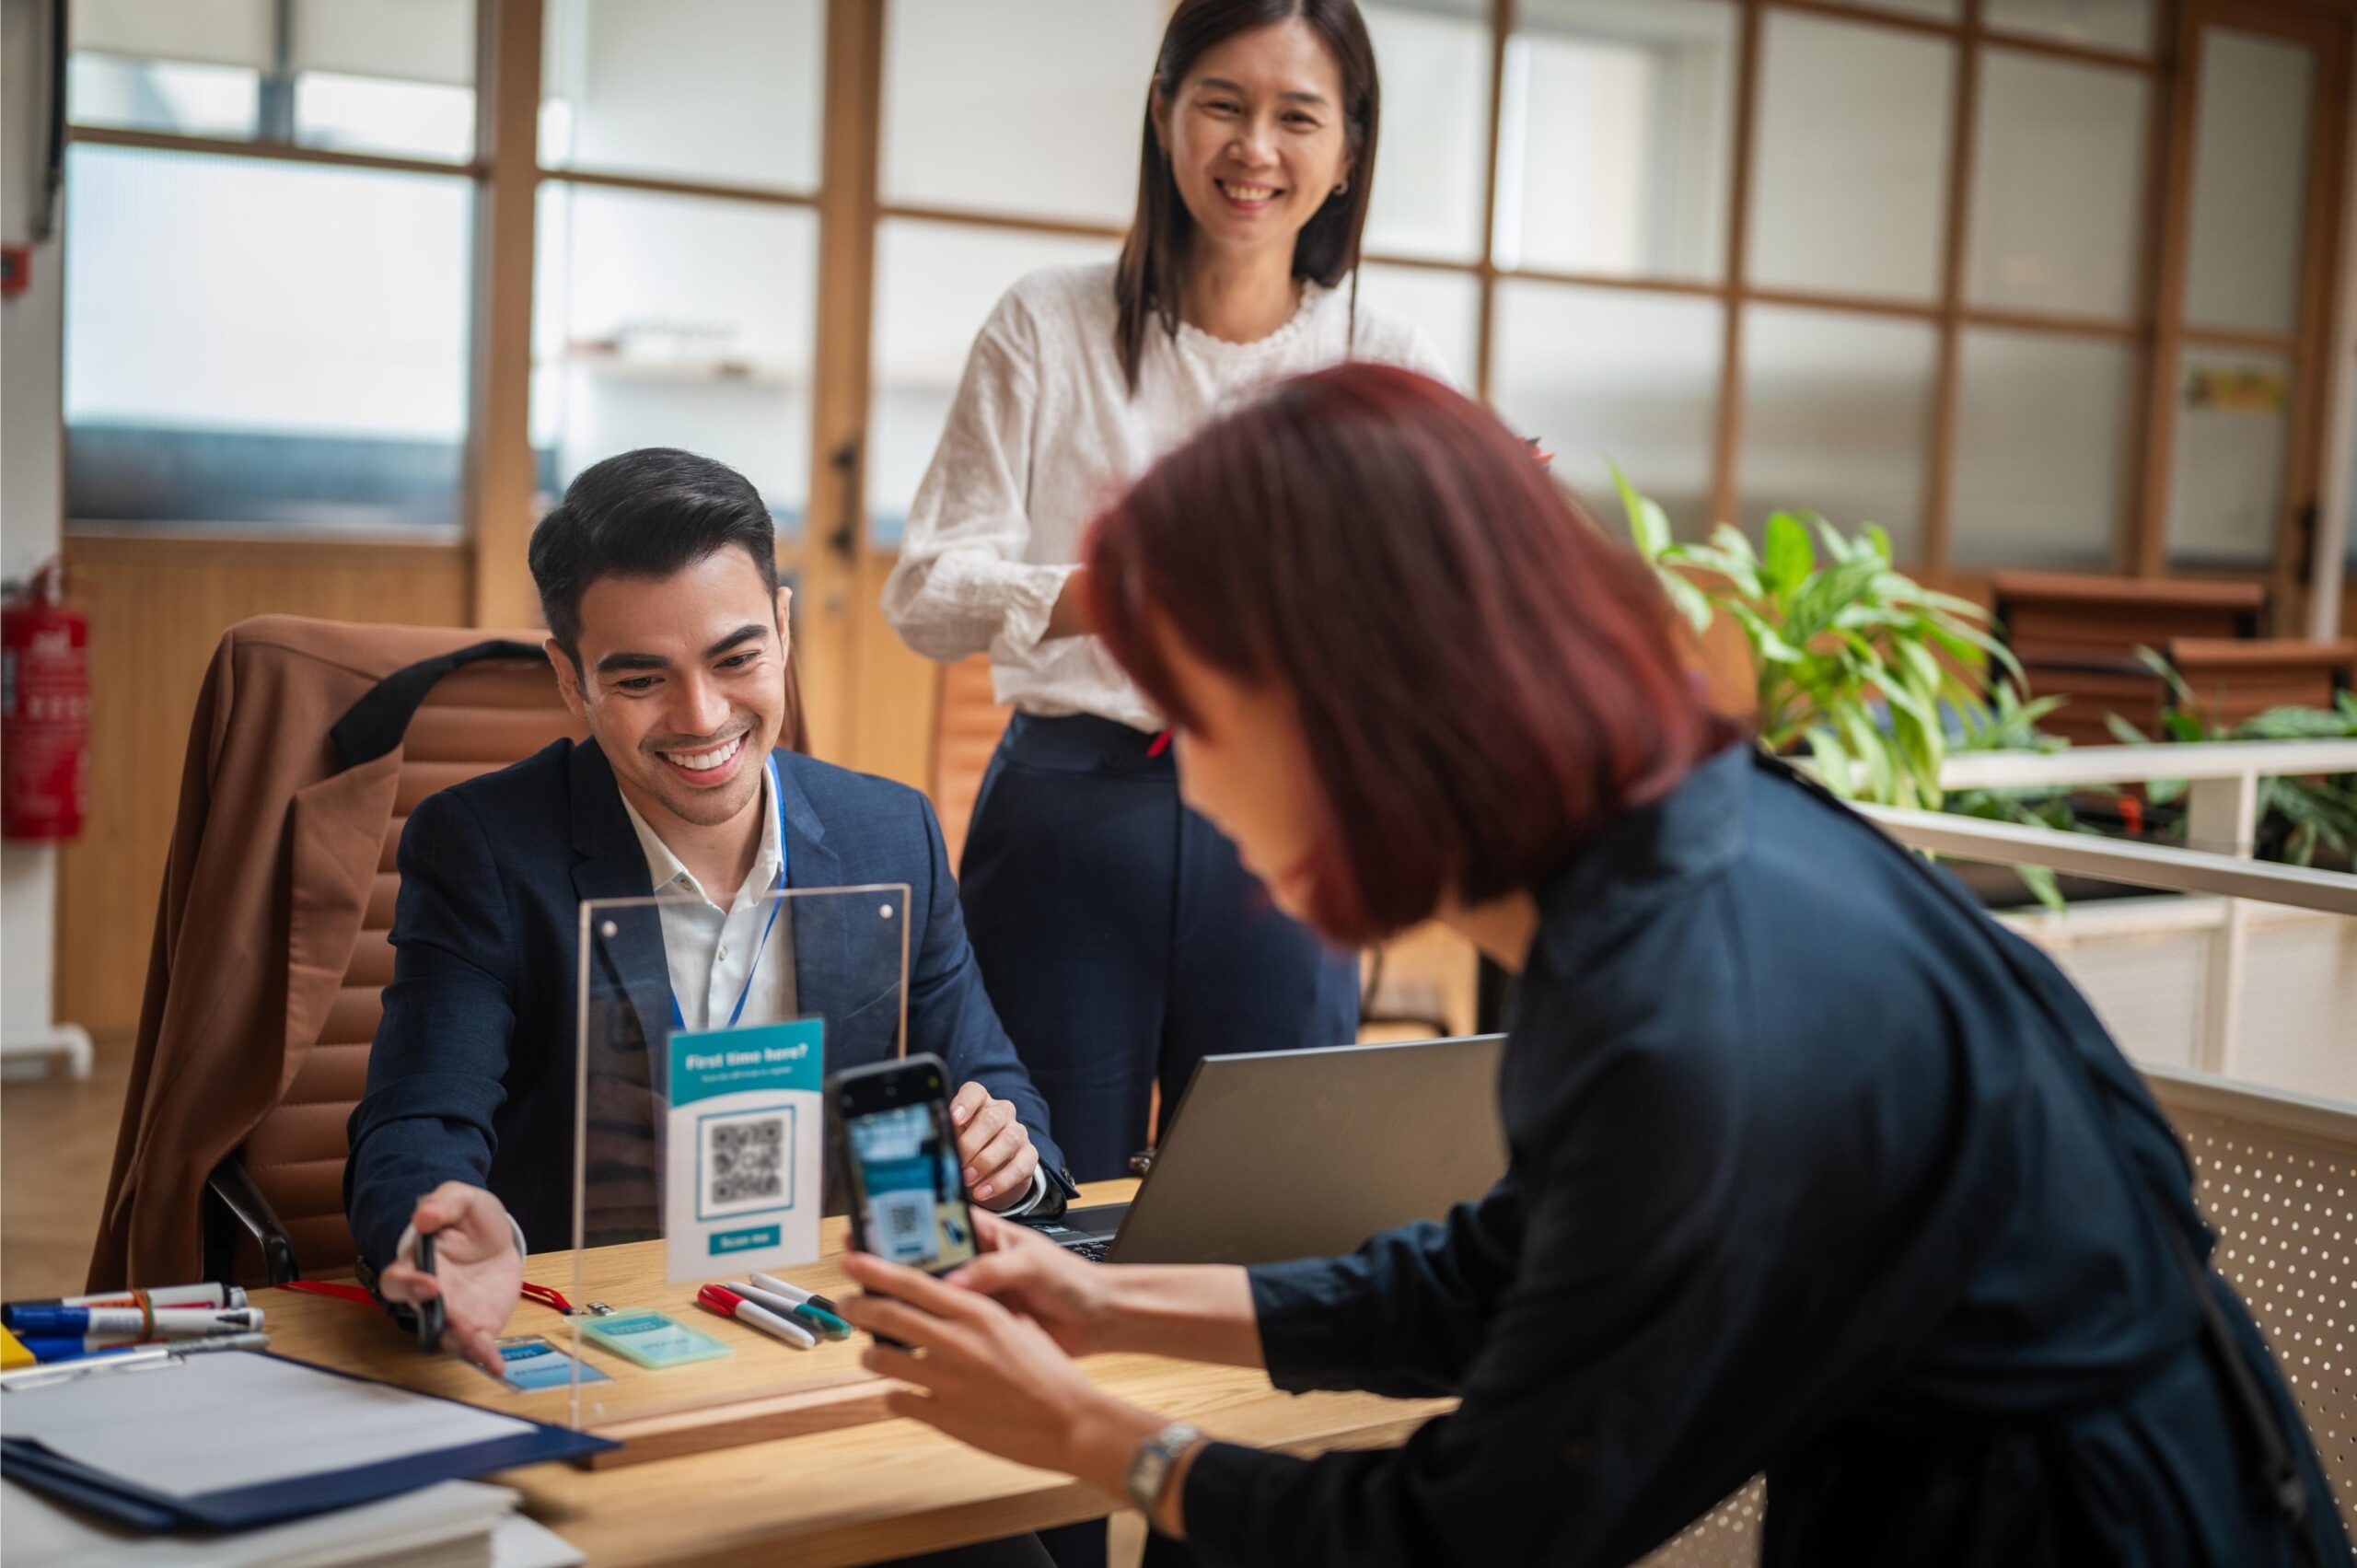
pixel 1151 1466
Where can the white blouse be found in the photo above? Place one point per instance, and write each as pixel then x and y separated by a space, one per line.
pixel 1043 434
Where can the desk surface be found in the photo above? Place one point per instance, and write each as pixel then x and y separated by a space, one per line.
pixel 885 1490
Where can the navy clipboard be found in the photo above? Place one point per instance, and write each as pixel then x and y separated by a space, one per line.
pixel 134 1501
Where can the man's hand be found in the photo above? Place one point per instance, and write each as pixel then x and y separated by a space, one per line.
pixel 478 1272
pixel 994 1152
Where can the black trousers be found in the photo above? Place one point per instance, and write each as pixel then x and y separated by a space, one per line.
pixel 1120 940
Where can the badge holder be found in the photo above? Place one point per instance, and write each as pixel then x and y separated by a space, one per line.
pixel 701 1162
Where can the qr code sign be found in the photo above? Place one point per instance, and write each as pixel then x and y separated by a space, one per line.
pixel 745 1161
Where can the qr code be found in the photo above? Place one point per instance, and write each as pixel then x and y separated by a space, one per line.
pixel 903 1224
pixel 745 1161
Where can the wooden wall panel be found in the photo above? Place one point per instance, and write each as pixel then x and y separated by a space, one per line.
pixel 895 692
pixel 157 609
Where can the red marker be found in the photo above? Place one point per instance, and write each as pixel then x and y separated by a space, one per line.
pixel 726 1302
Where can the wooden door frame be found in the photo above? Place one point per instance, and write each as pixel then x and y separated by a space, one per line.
pixel 2309 346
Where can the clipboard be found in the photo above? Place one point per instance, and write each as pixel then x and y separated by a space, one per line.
pixel 149 1447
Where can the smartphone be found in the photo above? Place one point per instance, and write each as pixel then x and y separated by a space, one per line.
pixel 899 1160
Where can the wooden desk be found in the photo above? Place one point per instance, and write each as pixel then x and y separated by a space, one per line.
pixel 874 1492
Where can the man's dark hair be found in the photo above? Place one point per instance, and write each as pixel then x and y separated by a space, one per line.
pixel 644 514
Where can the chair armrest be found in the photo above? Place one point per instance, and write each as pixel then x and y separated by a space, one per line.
pixel 231 1190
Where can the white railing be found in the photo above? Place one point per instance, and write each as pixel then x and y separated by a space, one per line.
pixel 2222 821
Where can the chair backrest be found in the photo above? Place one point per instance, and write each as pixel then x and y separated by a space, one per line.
pixel 2276 1177
pixel 476 719
pixel 2077 636
pixel 967 721
pixel 2232 680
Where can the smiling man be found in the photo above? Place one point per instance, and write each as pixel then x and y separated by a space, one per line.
pixel 667 631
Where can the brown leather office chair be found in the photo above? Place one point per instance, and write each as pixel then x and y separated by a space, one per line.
pixel 233 1135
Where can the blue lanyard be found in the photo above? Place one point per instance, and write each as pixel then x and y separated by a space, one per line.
pixel 777 798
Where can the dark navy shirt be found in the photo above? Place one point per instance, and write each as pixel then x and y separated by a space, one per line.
pixel 1816 1170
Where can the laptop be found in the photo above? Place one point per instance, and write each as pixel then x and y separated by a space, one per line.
pixel 1305 1153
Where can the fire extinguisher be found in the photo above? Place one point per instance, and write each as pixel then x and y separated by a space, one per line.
pixel 45 711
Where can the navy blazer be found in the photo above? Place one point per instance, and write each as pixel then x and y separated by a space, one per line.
pixel 472 1074
pixel 1816 1170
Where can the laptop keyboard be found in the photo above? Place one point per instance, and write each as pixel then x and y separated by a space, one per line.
pixel 1093 1250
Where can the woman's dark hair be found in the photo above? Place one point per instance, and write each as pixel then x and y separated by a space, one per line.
pixel 1483 677
pixel 644 514
pixel 1153 271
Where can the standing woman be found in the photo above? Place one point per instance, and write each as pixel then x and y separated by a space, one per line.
pixel 1117 935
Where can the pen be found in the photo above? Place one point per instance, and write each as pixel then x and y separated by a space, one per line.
pixel 726 1302
pixel 52 1348
pixel 125 1325
pixel 127 1356
pixel 212 1296
pixel 792 1292
pixel 818 1320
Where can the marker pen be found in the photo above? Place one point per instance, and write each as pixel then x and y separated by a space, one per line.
pixel 792 1292
pixel 124 1325
pixel 725 1303
pixel 48 1349
pixel 818 1320
pixel 208 1295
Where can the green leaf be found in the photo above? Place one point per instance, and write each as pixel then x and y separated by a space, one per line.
pixel 1836 546
pixel 1690 601
pixel 1871 747
pixel 2125 733
pixel 1767 643
pixel 2040 881
pixel 1789 557
pixel 1832 763
pixel 1648 524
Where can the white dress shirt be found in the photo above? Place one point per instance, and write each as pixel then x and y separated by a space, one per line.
pixel 710 950
pixel 1044 431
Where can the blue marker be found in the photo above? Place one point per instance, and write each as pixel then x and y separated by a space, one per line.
pixel 116 1325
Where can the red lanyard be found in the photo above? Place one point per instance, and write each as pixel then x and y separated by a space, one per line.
pixel 541 1293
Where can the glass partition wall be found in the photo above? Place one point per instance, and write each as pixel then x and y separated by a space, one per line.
pixel 2035 282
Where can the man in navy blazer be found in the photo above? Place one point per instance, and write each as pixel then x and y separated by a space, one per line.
pixel 667 631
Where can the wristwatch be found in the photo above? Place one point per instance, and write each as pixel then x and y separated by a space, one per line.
pixel 1156 1457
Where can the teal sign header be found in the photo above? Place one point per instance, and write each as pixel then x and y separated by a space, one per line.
pixel 747 1061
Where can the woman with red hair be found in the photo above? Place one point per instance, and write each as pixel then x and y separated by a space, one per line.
pixel 1816 1170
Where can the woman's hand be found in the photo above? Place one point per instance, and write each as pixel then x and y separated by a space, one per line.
pixel 1023 1271
pixel 989 1377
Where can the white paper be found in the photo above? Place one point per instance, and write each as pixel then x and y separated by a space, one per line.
pixel 236 1418
pixel 451 1522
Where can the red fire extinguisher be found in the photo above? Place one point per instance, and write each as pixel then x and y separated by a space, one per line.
pixel 45 711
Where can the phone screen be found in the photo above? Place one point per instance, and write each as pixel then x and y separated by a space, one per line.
pixel 912 1203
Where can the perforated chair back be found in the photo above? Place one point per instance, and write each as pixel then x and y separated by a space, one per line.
pixel 2277 1179
pixel 476 720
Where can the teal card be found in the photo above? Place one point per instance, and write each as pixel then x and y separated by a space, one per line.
pixel 652 1340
